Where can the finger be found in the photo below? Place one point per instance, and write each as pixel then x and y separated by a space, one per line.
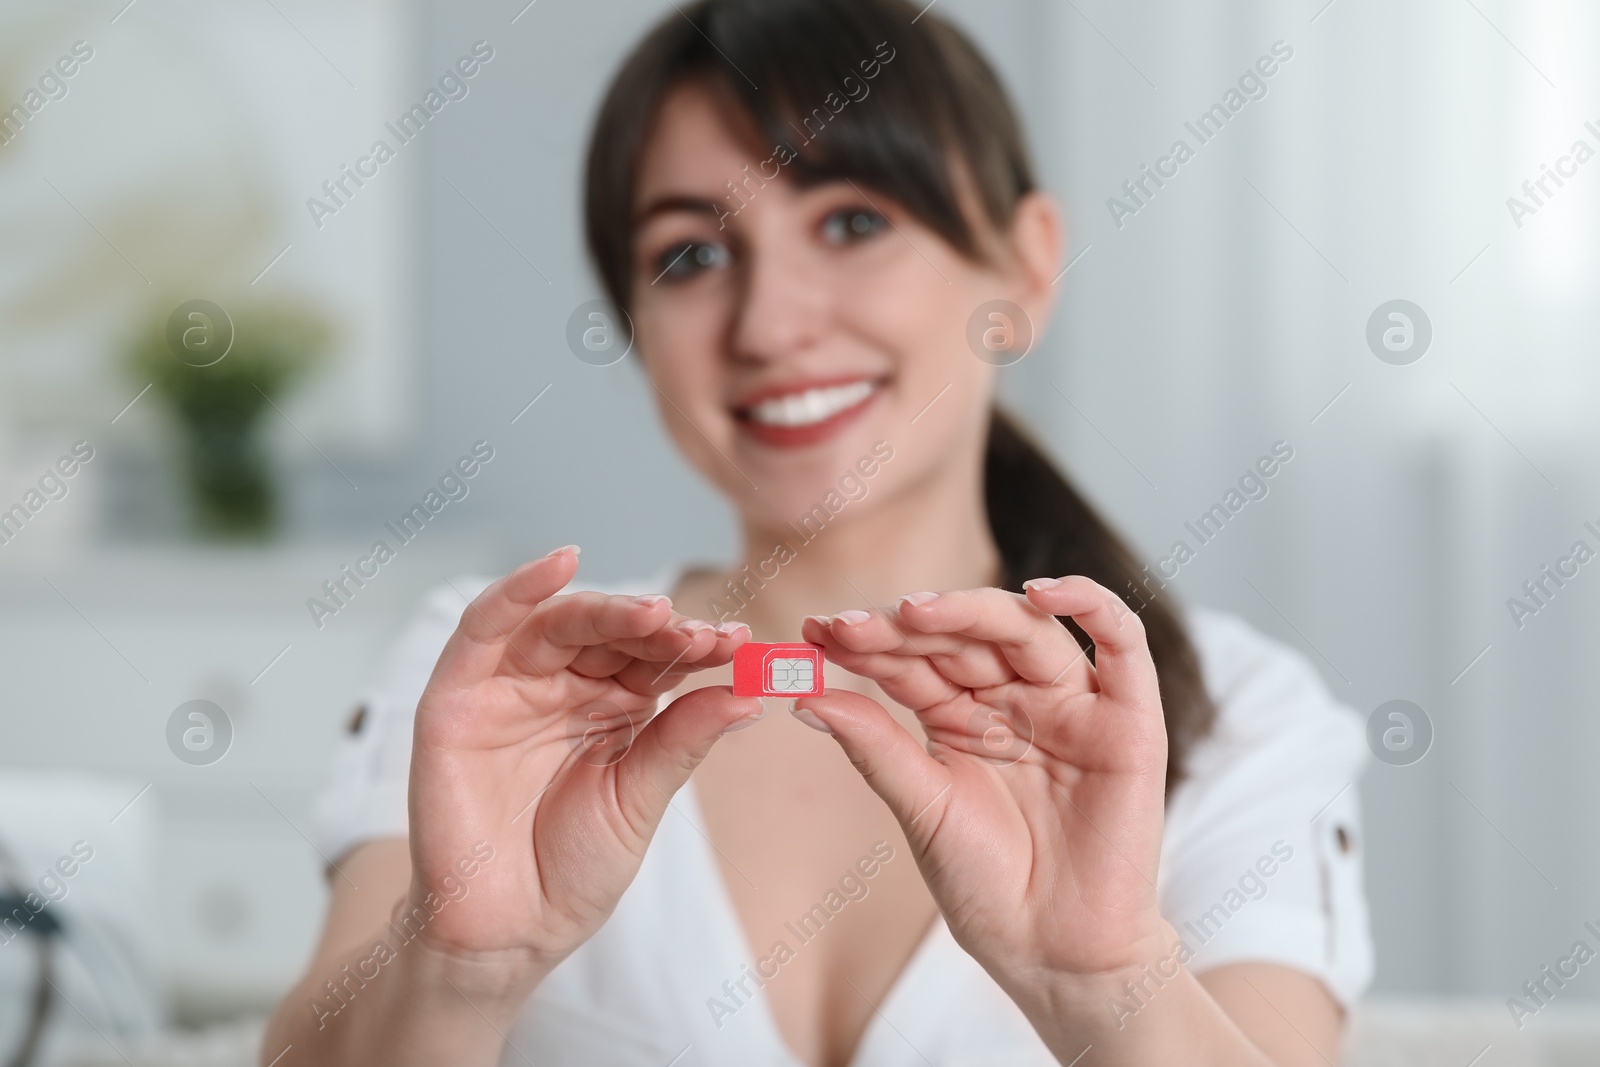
pixel 658 662
pixel 480 639
pixel 961 659
pixel 730 635
pixel 885 630
pixel 653 678
pixel 590 618
pixel 910 680
pixel 914 785
pixel 671 746
pixel 666 646
pixel 673 641
pixel 553 636
pixel 1036 646
pixel 726 639
pixel 1122 662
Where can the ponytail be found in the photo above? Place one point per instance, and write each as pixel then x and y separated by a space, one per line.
pixel 1044 528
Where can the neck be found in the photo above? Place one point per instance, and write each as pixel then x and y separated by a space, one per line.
pixel 932 536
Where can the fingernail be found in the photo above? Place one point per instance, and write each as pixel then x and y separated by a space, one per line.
pixel 917 599
pixel 694 626
pixel 824 620
pixel 1041 583
pixel 809 717
pixel 739 724
pixel 651 598
pixel 853 616
pixel 574 549
pixel 728 629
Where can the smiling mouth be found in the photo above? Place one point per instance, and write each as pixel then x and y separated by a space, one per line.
pixel 809 407
pixel 806 416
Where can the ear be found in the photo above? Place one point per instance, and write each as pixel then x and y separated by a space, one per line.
pixel 1036 240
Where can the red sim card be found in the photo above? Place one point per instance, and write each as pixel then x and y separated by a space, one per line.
pixel 781 669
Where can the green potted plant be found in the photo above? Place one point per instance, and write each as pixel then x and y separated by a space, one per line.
pixel 218 372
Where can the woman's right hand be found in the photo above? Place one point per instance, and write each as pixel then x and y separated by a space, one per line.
pixel 522 741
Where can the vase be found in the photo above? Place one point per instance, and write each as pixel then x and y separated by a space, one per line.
pixel 231 489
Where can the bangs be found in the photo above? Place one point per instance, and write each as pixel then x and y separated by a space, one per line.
pixel 823 90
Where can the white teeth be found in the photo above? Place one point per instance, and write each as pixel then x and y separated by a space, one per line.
pixel 811 406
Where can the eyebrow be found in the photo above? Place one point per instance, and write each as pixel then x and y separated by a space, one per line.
pixel 677 202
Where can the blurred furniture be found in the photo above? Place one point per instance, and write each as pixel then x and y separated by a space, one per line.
pixel 99 651
pixel 79 948
pixel 1384 1033
pixel 1458 1032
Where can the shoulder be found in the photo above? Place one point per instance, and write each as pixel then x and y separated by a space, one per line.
pixel 1262 852
pixel 1243 664
pixel 1271 703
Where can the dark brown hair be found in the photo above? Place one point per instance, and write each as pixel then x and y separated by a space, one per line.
pixel 938 121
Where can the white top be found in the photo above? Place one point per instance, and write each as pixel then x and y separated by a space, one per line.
pixel 1261 861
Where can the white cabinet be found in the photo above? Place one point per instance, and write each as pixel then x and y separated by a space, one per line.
pixel 95 655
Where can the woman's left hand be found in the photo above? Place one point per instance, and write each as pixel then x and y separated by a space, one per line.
pixel 1035 811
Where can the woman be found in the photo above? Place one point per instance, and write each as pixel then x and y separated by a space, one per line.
pixel 998 837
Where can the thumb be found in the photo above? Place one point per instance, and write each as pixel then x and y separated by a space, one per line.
pixel 912 783
pixel 671 746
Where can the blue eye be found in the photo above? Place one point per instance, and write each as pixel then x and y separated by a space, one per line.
pixel 852 224
pixel 688 258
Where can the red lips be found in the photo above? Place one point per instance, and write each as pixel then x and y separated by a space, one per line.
pixel 811 433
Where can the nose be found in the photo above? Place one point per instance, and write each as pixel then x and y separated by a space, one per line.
pixel 783 301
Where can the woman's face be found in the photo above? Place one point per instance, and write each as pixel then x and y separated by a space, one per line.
pixel 789 330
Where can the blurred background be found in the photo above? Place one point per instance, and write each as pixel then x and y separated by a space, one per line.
pixel 171 189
